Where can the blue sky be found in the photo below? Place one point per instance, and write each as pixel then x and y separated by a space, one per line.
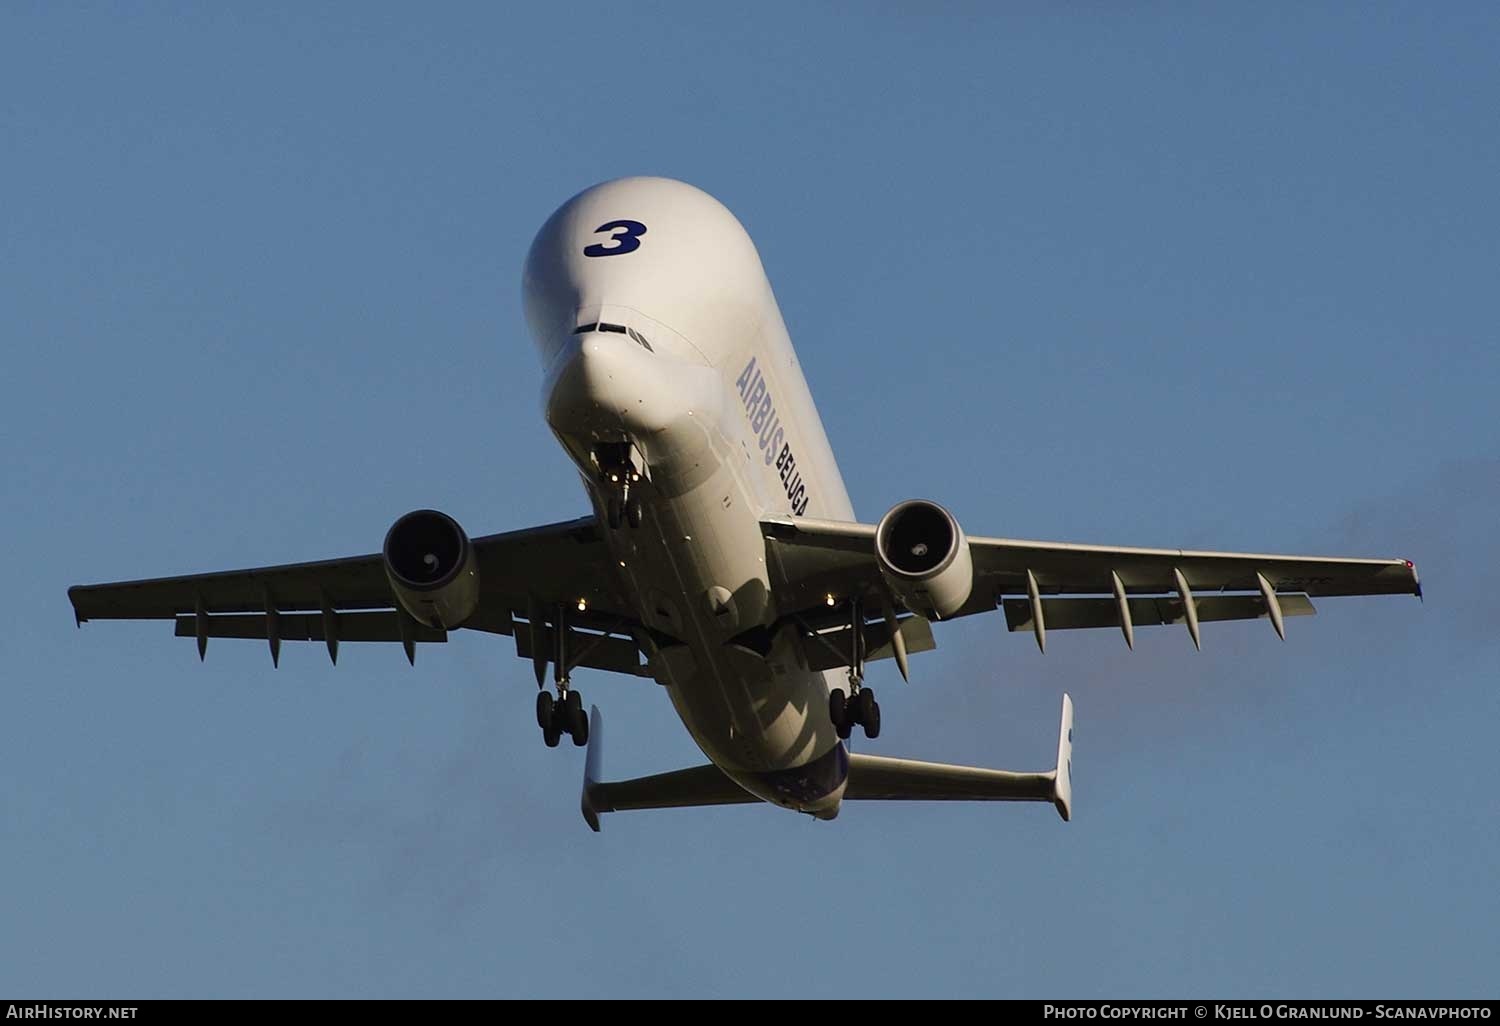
pixel 1200 276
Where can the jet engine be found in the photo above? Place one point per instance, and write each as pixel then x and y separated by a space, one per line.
pixel 432 569
pixel 924 557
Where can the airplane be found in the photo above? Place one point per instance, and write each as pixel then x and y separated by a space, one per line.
pixel 723 559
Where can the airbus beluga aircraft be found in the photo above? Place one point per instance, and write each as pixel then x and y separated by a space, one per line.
pixel 723 559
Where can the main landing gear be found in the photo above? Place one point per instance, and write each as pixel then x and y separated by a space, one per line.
pixel 619 477
pixel 859 706
pixel 564 714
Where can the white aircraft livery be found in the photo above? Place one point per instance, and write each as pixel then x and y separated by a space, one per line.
pixel 723 559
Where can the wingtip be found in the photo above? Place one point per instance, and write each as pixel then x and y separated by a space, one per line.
pixel 1416 580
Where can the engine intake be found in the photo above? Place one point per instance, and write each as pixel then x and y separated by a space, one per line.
pixel 432 569
pixel 924 557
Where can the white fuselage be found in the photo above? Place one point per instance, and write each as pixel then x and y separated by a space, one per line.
pixel 725 431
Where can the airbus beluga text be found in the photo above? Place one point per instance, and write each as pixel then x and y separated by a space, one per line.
pixel 723 559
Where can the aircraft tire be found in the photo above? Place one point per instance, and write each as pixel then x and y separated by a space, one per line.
pixel 838 711
pixel 576 719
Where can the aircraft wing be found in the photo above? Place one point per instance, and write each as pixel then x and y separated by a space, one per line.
pixel 1057 585
pixel 350 599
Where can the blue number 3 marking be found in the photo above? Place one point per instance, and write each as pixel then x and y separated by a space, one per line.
pixel 627 239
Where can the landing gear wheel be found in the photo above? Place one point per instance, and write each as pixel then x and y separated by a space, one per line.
pixel 633 512
pixel 865 708
pixel 838 712
pixel 548 715
pixel 872 720
pixel 576 719
pixel 612 512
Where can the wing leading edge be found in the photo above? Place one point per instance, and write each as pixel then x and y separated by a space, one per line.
pixel 522 575
pixel 1105 586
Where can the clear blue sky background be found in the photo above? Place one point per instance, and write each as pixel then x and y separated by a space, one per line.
pixel 1217 276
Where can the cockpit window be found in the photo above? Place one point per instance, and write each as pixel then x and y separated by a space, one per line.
pixel 619 329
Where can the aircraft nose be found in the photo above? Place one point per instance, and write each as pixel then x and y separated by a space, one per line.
pixel 604 381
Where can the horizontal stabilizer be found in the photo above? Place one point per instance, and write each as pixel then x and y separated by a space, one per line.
pixel 680 789
pixel 878 778
pixel 1067 613
pixel 871 778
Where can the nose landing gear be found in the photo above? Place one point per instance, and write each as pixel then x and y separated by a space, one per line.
pixel 619 477
pixel 623 509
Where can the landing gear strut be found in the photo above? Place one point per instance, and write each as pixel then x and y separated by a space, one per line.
pixel 859 706
pixel 563 715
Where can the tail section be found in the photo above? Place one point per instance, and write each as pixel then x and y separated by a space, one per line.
pixel 871 778
pixel 680 789
pixel 880 778
pixel 591 768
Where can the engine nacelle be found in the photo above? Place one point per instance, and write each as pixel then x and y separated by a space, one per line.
pixel 924 557
pixel 432 569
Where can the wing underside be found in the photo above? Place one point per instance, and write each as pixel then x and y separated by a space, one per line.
pixel 1045 586
pixel 525 576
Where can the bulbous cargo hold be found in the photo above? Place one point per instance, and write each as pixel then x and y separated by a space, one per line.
pixel 924 557
pixel 432 569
